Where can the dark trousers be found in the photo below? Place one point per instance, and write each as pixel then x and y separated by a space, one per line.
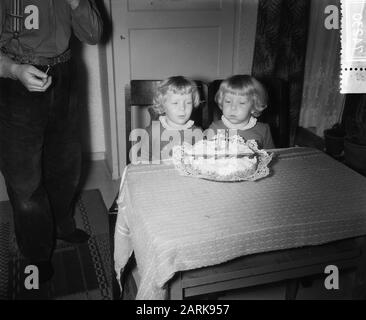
pixel 40 158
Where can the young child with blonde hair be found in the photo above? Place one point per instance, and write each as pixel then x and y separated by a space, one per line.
pixel 174 101
pixel 242 99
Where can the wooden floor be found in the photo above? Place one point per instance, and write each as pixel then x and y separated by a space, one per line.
pixel 96 176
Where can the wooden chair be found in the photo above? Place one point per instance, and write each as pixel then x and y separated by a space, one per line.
pixel 276 115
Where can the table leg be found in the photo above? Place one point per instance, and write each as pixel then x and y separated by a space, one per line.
pixel 175 288
pixel 292 286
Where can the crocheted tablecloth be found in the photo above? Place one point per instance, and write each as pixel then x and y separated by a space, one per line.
pixel 175 223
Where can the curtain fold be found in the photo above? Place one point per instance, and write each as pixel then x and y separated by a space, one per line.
pixel 322 104
pixel 280 48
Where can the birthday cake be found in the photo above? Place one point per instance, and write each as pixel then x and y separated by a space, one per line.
pixel 222 159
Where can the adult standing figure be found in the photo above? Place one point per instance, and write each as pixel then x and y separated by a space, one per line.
pixel 40 154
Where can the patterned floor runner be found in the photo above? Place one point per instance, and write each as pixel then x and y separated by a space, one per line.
pixel 82 272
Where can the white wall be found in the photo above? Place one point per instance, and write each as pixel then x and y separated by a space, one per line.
pixel 93 128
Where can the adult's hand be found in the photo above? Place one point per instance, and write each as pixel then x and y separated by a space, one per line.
pixel 73 3
pixel 32 78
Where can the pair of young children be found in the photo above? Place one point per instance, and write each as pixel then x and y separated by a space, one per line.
pixel 241 98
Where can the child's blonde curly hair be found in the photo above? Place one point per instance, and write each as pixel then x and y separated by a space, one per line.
pixel 244 85
pixel 179 85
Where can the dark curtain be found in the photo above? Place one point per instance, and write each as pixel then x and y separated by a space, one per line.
pixel 280 48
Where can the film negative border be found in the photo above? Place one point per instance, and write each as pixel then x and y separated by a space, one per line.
pixel 353 46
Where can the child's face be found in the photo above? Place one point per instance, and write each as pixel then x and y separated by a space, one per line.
pixel 237 109
pixel 178 107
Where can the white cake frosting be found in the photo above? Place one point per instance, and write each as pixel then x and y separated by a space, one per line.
pixel 220 156
pixel 224 166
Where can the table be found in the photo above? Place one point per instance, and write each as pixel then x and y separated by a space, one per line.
pixel 174 223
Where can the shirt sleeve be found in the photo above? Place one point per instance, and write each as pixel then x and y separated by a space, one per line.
pixel 267 139
pixel 86 22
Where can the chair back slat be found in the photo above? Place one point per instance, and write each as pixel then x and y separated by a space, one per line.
pixel 142 92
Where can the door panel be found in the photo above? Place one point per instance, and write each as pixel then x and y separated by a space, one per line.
pixel 160 53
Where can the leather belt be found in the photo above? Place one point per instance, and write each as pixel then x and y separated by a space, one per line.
pixel 38 61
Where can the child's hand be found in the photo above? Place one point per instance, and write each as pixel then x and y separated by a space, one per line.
pixel 73 3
